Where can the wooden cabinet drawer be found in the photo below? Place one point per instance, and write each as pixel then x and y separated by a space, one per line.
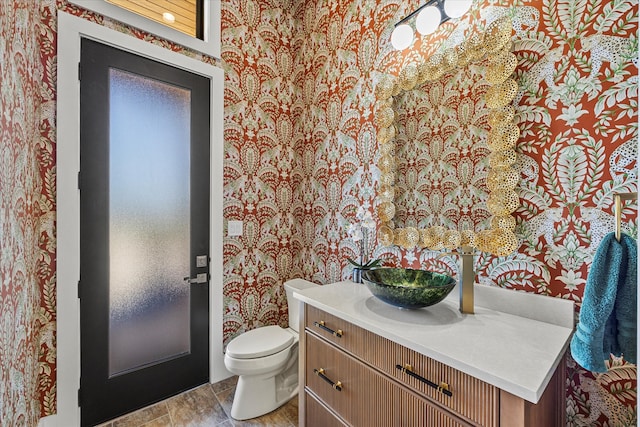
pixel 363 397
pixel 345 385
pixel 318 415
pixel 472 399
pixel 340 332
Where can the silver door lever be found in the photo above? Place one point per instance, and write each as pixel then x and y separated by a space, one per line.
pixel 200 278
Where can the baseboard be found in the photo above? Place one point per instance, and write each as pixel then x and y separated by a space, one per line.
pixel 48 421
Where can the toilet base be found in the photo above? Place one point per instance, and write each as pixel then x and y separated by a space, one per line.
pixel 256 396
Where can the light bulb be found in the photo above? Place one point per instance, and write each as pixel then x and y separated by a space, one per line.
pixel 456 8
pixel 428 20
pixel 168 17
pixel 402 37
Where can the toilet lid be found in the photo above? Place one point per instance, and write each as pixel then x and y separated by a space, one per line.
pixel 259 342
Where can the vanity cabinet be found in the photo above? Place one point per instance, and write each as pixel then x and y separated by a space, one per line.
pixel 353 377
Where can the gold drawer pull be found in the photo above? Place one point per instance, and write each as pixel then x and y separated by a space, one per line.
pixel 442 388
pixel 321 325
pixel 320 373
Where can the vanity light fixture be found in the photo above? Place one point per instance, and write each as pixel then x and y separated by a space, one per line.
pixel 428 17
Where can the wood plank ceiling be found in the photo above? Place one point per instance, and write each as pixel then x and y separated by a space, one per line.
pixel 184 12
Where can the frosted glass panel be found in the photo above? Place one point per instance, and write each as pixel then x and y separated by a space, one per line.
pixel 149 250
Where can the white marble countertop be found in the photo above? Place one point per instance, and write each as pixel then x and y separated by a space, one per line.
pixel 514 341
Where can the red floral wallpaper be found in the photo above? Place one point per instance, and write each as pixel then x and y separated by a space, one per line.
pixel 27 203
pixel 262 179
pixel 300 158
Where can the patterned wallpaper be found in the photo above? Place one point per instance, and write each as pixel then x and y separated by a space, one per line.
pixel 300 155
pixel 27 203
pixel 262 176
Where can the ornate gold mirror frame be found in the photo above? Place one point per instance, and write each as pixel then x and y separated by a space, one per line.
pixel 494 44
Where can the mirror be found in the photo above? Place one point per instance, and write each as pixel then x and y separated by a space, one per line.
pixel 447 135
pixel 441 152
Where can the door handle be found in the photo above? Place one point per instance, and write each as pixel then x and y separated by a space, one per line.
pixel 200 278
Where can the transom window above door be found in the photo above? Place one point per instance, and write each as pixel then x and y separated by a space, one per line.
pixel 182 15
pixel 194 24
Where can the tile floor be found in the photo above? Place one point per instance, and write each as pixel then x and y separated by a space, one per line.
pixel 204 406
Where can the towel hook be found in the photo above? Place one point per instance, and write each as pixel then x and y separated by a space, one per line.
pixel 617 200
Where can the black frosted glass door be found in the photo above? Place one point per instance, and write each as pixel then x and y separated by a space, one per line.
pixel 144 231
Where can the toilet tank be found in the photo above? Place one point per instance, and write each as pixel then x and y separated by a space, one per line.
pixel 293 304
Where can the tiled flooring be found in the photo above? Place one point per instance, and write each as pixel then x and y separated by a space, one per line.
pixel 207 405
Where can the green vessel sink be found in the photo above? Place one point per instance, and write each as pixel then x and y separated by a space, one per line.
pixel 408 288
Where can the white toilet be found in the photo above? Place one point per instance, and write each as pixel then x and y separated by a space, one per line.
pixel 266 362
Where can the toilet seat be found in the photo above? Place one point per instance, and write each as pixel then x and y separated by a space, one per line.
pixel 260 342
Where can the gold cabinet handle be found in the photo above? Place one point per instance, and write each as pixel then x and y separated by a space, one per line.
pixel 320 373
pixel 442 387
pixel 337 333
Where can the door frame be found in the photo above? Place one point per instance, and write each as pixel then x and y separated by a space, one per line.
pixel 70 31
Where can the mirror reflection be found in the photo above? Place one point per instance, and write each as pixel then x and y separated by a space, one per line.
pixel 441 147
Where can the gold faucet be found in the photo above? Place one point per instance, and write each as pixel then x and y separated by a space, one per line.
pixel 466 279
